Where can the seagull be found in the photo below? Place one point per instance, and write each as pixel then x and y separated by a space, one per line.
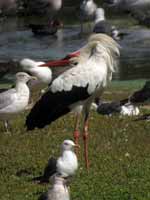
pixel 15 100
pixel 103 26
pixel 87 11
pixel 58 190
pixel 85 80
pixel 66 165
pixel 123 107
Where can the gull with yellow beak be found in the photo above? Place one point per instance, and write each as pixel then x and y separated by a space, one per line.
pixel 65 166
pixel 15 100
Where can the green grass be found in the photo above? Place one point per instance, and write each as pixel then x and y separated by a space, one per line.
pixel 119 152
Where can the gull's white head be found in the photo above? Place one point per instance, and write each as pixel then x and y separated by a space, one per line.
pixel 99 15
pixel 23 77
pixel 68 145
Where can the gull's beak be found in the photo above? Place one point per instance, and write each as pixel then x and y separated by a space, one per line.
pixel 77 145
pixel 33 78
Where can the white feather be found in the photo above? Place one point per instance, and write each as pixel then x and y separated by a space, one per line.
pixel 44 74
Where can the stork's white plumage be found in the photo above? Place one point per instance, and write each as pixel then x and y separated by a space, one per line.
pixel 43 74
pixel 15 100
pixel 86 79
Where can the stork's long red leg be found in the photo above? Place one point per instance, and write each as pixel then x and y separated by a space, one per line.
pixel 76 133
pixel 85 138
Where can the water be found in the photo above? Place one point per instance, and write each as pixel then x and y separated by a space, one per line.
pixel 17 42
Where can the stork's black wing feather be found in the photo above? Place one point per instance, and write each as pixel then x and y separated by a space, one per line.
pixel 54 105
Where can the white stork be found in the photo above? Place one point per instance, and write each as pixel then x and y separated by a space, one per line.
pixel 43 74
pixel 86 79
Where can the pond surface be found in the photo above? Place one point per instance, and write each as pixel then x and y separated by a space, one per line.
pixel 17 42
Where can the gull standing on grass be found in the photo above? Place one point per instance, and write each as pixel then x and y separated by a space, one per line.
pixel 88 75
pixel 65 166
pixel 15 100
pixel 67 163
pixel 58 190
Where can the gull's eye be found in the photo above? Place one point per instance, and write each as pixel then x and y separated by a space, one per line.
pixel 66 144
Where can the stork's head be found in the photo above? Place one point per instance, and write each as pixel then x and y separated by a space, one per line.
pixel 106 48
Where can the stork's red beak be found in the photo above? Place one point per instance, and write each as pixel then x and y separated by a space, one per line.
pixel 62 62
